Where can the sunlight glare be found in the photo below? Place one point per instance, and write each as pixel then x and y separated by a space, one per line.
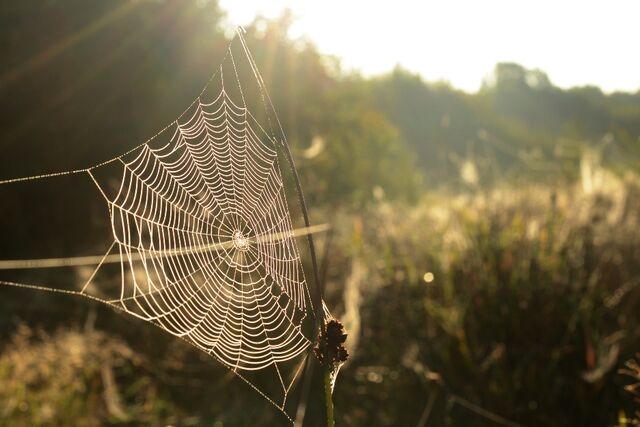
pixel 576 43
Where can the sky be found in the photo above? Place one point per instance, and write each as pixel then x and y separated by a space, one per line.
pixel 576 42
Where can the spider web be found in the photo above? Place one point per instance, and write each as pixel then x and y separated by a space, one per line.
pixel 203 233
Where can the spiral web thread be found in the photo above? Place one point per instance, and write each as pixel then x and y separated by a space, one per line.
pixel 204 236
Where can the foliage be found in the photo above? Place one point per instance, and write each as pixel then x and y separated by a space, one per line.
pixel 532 308
pixel 71 378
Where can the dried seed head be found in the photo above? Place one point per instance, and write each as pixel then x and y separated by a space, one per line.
pixel 329 349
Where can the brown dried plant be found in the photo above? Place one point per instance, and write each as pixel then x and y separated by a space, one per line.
pixel 632 369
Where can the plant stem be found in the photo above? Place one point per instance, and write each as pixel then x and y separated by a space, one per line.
pixel 327 397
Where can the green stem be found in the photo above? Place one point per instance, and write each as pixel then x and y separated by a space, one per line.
pixel 327 397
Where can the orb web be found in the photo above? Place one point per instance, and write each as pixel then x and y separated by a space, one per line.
pixel 203 233
pixel 214 181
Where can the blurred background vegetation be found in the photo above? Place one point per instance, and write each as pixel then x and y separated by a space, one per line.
pixel 484 256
